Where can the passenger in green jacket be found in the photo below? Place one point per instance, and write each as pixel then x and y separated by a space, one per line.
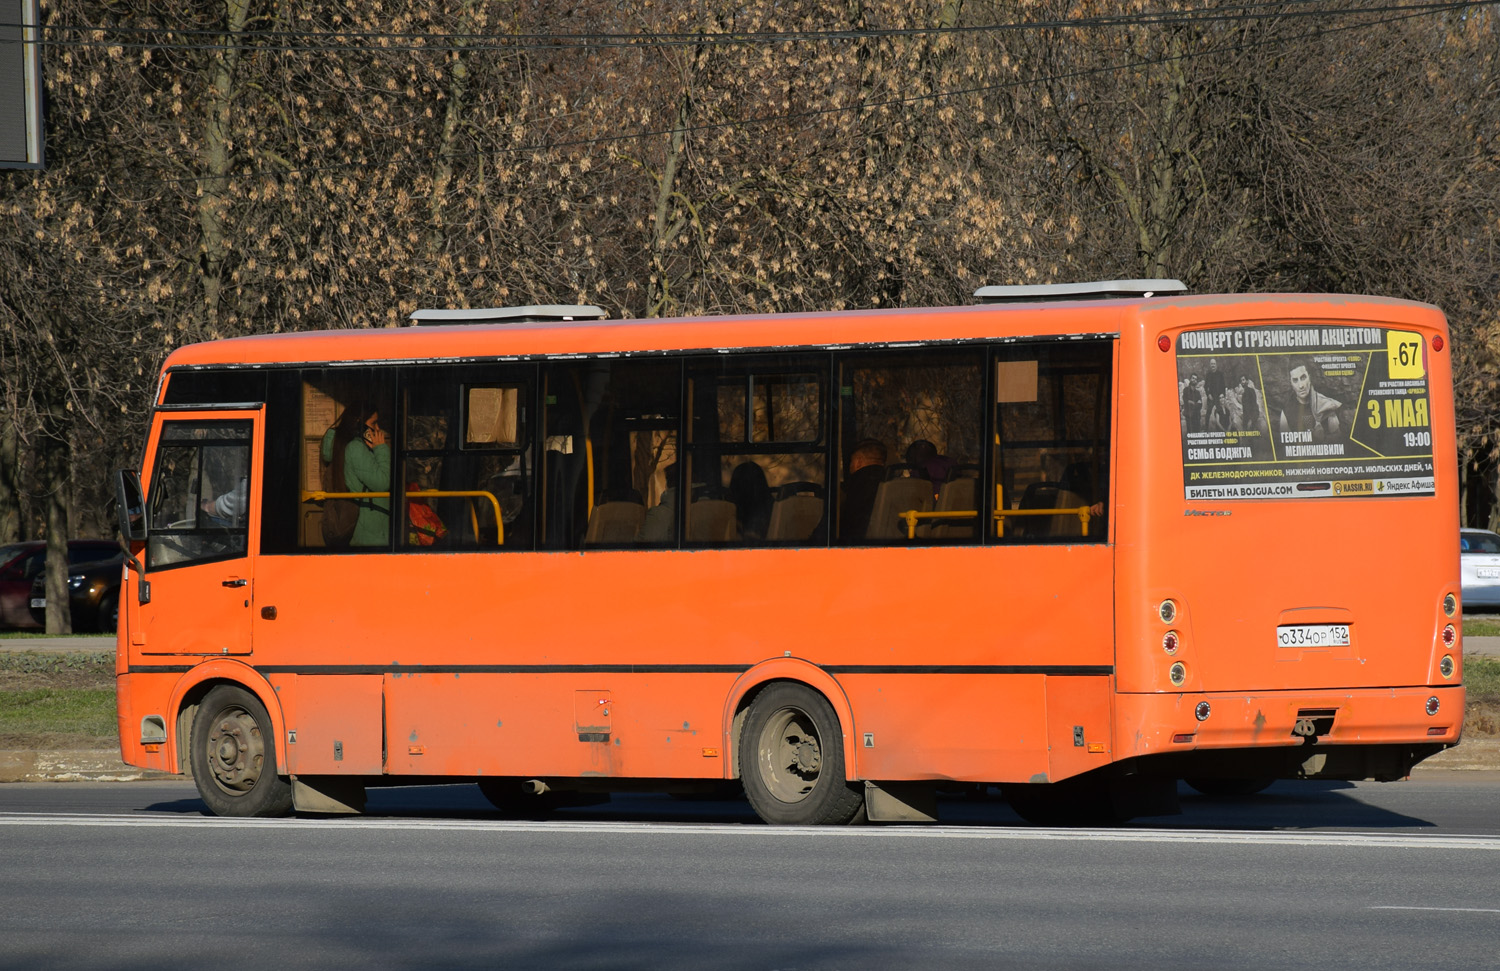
pixel 366 468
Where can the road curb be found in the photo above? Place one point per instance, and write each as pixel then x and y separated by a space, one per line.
pixel 70 765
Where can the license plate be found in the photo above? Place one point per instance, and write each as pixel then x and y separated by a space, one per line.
pixel 1313 635
pixel 1488 572
pixel 39 603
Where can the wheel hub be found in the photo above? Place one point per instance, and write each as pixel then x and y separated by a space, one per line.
pixel 809 756
pixel 236 752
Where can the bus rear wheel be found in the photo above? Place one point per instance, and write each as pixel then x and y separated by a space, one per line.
pixel 792 760
pixel 233 756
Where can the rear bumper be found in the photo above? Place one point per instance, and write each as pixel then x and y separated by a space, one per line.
pixel 1168 729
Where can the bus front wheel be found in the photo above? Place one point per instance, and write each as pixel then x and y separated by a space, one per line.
pixel 792 760
pixel 233 756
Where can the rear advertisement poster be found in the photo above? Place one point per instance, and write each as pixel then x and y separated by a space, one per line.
pixel 1293 411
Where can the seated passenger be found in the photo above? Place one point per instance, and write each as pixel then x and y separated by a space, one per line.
pixel 752 501
pixel 924 456
pixel 866 472
pixel 660 525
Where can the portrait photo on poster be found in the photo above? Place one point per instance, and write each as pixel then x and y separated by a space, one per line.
pixel 1289 411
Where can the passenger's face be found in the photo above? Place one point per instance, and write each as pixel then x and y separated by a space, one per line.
pixel 1301 383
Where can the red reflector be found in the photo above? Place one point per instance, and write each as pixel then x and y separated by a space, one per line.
pixel 1437 342
pixel 1437 731
pixel 1165 343
pixel 1179 739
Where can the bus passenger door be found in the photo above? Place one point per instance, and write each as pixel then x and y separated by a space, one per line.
pixel 202 508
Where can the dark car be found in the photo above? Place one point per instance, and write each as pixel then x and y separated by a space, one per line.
pixel 22 563
pixel 93 594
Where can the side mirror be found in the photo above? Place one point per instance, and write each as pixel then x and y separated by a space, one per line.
pixel 131 504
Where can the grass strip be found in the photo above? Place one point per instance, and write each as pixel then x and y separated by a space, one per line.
pixel 85 712
pixel 1474 627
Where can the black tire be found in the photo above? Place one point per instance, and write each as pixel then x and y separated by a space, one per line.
pixel 792 760
pixel 1229 787
pixel 233 756
pixel 109 612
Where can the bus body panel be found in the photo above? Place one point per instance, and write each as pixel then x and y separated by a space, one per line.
pixel 922 641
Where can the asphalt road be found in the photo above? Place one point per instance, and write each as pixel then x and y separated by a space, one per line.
pixel 1308 875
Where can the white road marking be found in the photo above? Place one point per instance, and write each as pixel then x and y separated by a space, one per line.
pixel 574 827
pixel 1447 910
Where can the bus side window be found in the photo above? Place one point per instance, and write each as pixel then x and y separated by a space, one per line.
pixel 361 401
pixel 757 451
pixel 609 445
pixel 467 459
pixel 1052 421
pixel 911 429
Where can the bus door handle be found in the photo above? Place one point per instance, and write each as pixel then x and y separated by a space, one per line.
pixel 236 582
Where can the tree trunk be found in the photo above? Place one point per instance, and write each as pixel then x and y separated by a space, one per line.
pixel 217 157
pixel 10 493
pixel 56 487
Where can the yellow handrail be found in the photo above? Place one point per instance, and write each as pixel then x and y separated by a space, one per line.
pixel 318 495
pixel 913 515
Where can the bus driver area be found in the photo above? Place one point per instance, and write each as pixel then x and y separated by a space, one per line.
pixel 837 559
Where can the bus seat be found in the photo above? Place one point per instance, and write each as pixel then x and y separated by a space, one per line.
pixel 1067 525
pixel 712 521
pixel 896 495
pixel 615 523
pixel 957 495
pixel 795 517
pixel 1049 495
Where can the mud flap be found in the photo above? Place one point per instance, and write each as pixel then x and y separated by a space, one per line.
pixel 901 802
pixel 328 794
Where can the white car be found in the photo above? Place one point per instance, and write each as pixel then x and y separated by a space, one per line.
pixel 1479 559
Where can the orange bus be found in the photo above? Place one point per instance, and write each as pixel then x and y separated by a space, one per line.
pixel 1079 542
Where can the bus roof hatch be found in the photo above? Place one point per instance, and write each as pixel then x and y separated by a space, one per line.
pixel 1096 290
pixel 508 315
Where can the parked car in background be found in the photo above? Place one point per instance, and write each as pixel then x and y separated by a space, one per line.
pixel 22 563
pixel 1479 561
pixel 93 594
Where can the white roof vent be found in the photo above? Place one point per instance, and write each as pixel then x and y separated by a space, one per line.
pixel 1097 290
pixel 508 315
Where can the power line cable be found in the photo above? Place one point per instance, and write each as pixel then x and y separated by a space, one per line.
pixel 376 42
pixel 1407 12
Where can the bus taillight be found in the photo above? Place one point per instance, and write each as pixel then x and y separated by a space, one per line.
pixel 1450 635
pixel 1167 611
pixel 1446 666
pixel 1169 642
pixel 1450 605
pixel 1178 674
